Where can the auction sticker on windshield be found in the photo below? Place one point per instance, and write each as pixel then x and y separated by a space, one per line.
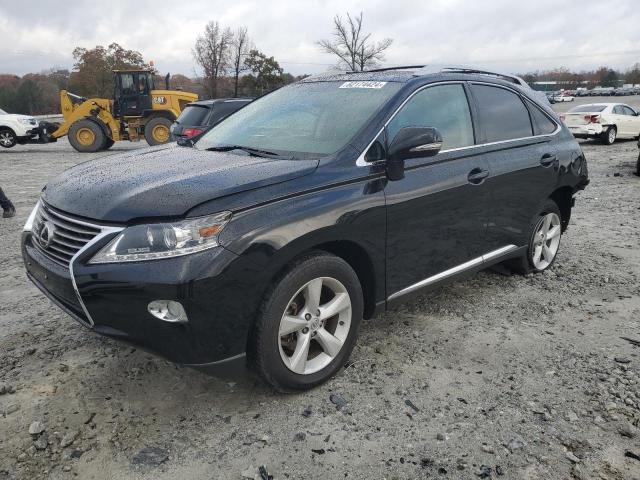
pixel 365 84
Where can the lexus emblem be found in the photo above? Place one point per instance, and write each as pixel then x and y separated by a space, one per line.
pixel 45 235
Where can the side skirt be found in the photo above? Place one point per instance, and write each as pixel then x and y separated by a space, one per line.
pixel 474 265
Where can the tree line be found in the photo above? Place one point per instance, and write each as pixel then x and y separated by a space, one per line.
pixel 603 77
pixel 231 65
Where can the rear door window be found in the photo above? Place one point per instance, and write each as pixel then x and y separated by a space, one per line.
pixel 501 113
pixel 444 107
pixel 617 110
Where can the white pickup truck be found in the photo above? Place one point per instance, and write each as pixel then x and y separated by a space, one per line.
pixel 17 129
pixel 606 121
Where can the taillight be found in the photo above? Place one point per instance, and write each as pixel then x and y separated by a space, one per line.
pixel 592 118
pixel 191 132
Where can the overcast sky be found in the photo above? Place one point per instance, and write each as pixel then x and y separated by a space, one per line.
pixel 507 35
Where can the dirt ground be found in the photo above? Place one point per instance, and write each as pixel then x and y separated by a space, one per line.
pixel 491 377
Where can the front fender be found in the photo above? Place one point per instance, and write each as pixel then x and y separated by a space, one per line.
pixel 272 235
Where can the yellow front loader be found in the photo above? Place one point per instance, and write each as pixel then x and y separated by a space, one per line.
pixel 137 110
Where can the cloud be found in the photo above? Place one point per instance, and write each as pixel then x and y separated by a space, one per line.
pixel 501 34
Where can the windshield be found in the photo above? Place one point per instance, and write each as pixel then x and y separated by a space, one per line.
pixel 303 118
pixel 587 108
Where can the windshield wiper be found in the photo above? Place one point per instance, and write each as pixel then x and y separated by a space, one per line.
pixel 250 150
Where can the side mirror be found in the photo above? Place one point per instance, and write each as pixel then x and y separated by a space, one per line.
pixel 415 142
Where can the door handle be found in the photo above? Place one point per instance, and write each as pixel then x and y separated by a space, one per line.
pixel 548 159
pixel 477 175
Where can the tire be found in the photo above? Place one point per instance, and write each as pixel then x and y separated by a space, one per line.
pixel 7 138
pixel 609 137
pixel 108 143
pixel 638 166
pixel 273 356
pixel 529 262
pixel 87 136
pixel 157 131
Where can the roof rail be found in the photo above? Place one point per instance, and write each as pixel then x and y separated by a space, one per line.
pixel 505 76
pixel 386 69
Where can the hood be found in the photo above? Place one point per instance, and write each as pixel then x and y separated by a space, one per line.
pixel 164 181
pixel 17 116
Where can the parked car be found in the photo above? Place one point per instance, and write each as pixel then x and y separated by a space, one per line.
pixel 582 93
pixel 606 121
pixel 563 97
pixel 198 117
pixel 16 129
pixel 326 201
pixel 622 92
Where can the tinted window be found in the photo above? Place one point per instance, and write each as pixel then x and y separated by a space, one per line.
pixel 444 107
pixel 542 125
pixel 193 115
pixel 502 114
pixel 587 108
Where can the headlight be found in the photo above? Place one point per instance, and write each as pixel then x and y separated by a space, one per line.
pixel 27 121
pixel 162 240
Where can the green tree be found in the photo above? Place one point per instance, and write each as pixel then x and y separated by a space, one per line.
pixel 266 71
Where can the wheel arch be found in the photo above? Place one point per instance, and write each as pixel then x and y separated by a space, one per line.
pixel 563 197
pixel 6 127
pixel 149 115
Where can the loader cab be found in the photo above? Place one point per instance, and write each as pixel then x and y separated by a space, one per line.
pixel 132 94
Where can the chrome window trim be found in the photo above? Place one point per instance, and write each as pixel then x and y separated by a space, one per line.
pixel 452 271
pixel 104 231
pixel 360 162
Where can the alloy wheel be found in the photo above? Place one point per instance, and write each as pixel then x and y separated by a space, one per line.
pixel 612 135
pixel 315 325
pixel 546 241
pixel 6 139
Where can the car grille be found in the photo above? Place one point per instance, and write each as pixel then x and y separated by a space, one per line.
pixel 59 237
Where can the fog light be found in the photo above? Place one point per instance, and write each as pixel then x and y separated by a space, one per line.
pixel 168 310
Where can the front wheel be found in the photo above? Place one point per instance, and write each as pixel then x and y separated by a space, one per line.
pixel 308 323
pixel 7 138
pixel 544 241
pixel 609 137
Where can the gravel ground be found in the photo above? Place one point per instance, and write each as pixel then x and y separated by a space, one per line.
pixel 491 377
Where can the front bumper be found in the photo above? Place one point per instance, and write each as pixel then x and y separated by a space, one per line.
pixel 218 290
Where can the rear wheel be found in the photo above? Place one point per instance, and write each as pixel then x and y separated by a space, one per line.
pixel 156 131
pixel 7 138
pixel 308 323
pixel 87 136
pixel 544 241
pixel 609 137
pixel 638 166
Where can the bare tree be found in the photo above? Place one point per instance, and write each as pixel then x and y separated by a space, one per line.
pixel 353 47
pixel 240 47
pixel 211 52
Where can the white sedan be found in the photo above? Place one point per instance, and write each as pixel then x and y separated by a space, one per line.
pixel 563 98
pixel 606 121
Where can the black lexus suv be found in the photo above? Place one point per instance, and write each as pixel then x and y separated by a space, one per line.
pixel 327 201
